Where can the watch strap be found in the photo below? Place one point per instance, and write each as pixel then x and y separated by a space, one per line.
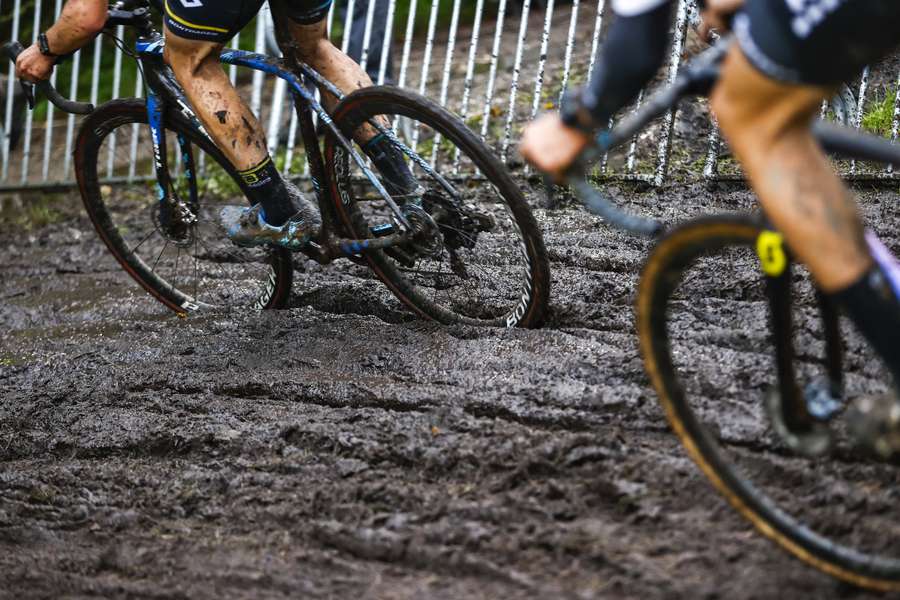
pixel 575 114
pixel 44 45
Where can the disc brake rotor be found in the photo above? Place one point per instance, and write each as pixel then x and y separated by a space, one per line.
pixel 175 221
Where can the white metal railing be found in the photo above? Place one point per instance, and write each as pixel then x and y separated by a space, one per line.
pixel 503 78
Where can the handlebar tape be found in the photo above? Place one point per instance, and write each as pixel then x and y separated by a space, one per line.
pixel 12 51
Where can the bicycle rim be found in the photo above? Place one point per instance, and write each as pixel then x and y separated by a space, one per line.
pixel 803 504
pixel 497 275
pixel 189 270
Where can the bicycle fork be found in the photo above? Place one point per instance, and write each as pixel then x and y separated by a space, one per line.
pixel 799 415
pixel 175 215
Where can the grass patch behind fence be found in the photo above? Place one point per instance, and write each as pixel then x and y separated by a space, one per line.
pixel 879 117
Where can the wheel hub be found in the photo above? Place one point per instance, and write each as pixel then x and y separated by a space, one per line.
pixel 175 221
pixel 460 225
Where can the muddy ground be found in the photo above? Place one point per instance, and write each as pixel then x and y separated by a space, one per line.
pixel 342 449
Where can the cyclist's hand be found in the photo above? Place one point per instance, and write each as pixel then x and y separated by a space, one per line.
pixel 552 147
pixel 717 17
pixel 33 66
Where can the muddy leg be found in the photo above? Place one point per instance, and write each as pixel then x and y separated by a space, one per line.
pixel 314 48
pixel 230 122
pixel 767 124
pixel 219 107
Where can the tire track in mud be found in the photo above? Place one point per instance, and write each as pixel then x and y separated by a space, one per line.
pixel 343 448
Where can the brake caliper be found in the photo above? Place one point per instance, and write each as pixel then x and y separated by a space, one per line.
pixel 175 220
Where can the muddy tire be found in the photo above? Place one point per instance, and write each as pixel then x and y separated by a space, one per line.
pixel 500 276
pixel 742 468
pixel 201 270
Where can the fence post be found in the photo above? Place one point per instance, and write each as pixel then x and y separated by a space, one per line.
pixel 386 44
pixel 570 46
pixel 492 77
pixel 665 141
pixel 860 103
pixel 70 119
pixel 10 89
pixel 29 118
pixel 514 85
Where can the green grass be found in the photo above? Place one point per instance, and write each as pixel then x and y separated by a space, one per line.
pixel 36 212
pixel 880 114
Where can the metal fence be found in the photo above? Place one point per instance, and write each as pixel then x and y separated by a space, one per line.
pixel 496 66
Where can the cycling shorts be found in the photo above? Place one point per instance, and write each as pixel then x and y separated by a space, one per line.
pixel 816 42
pixel 221 20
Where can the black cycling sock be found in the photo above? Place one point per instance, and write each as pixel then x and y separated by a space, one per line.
pixel 397 179
pixel 875 310
pixel 265 186
pixel 622 71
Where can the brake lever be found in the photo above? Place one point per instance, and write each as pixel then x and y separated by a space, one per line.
pixel 28 90
pixel 549 189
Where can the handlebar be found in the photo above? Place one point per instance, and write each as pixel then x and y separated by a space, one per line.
pixel 696 77
pixel 606 209
pixel 12 51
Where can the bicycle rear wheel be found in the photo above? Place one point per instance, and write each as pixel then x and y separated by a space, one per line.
pixel 701 318
pixel 198 268
pixel 488 265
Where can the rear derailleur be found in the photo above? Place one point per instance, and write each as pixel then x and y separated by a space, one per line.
pixel 440 223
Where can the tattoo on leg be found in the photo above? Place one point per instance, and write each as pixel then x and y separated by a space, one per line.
pixel 806 194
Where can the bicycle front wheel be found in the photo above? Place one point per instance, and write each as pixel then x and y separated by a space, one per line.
pixel 195 267
pixel 702 314
pixel 485 263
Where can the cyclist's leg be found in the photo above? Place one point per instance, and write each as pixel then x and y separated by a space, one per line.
pixel 308 28
pixel 215 101
pixel 194 38
pixel 766 121
pixel 767 124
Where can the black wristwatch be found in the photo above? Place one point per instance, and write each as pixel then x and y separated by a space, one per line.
pixel 575 114
pixel 44 46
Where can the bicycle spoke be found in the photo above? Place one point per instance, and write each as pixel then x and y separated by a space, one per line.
pixel 156 263
pixel 149 235
pixel 196 270
pixel 175 274
pixel 235 277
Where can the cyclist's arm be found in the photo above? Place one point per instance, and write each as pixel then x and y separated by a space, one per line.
pixel 632 53
pixel 634 50
pixel 79 22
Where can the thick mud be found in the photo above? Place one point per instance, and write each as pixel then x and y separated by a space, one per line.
pixel 342 448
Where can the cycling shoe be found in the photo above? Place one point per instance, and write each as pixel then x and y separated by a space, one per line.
pixel 246 226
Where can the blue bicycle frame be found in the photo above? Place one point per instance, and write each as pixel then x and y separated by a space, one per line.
pixel 164 93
